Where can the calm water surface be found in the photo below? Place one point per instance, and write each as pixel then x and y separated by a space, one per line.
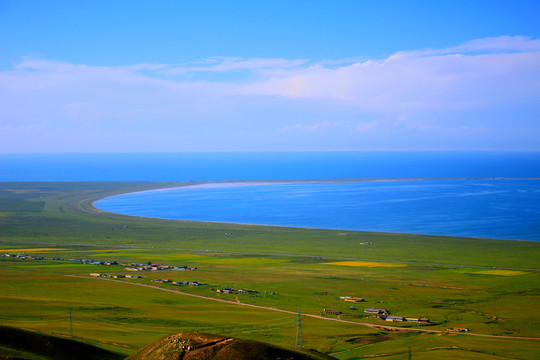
pixel 504 209
pixel 268 165
pixel 500 209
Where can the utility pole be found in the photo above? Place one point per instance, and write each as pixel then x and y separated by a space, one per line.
pixel 299 331
pixel 410 357
pixel 70 329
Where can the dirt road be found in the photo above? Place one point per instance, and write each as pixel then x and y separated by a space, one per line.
pixel 238 303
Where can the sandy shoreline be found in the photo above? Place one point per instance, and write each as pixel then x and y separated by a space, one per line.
pixel 232 183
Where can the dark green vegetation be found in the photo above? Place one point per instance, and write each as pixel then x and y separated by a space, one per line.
pixel 489 286
pixel 32 345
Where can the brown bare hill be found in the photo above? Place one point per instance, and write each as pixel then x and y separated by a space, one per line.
pixel 200 346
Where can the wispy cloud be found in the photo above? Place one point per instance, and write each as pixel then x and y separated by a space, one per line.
pixel 320 126
pixel 501 44
pixel 222 64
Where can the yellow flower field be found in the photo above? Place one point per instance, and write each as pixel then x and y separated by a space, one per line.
pixel 366 264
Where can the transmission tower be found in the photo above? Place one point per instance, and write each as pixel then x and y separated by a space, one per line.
pixel 70 329
pixel 299 331
pixel 410 357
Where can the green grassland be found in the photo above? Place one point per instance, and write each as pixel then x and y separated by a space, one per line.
pixel 489 286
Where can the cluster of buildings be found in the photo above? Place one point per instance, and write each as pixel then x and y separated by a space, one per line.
pixel 352 299
pixel 22 256
pixel 384 314
pixel 229 290
pixel 115 276
pixel 169 281
pixel 88 261
pixel 157 267
pixel 132 266
pixel 133 276
pixel 129 266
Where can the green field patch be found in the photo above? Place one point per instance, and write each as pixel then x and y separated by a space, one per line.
pixel 251 261
pixel 105 308
pixel 184 256
pixel 60 265
pixel 142 255
pixel 116 251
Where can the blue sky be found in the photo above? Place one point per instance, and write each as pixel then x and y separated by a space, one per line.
pixel 126 76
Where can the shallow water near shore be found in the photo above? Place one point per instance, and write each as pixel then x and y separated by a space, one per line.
pixel 498 209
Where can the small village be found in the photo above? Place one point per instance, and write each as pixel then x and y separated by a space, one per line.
pixel 382 314
pixel 225 290
pixel 22 256
pixel 161 281
pixel 138 267
pixel 379 313
pixel 128 266
pixel 229 290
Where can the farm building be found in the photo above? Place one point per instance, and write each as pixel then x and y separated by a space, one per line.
pixel 394 318
pixel 376 312
pixel 352 299
pixel 332 312
pixel 459 330
pixel 226 290
pixel 98 275
pixel 417 320
pixel 162 280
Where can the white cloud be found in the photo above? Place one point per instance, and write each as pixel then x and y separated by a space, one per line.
pixel 461 77
pixel 461 89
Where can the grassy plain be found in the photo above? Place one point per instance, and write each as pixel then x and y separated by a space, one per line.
pixel 489 286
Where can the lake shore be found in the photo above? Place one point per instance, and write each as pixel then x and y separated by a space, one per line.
pixel 394 205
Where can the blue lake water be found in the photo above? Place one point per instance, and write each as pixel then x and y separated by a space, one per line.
pixel 503 209
pixel 268 165
pixel 500 209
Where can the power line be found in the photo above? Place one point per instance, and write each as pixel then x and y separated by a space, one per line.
pixel 299 331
